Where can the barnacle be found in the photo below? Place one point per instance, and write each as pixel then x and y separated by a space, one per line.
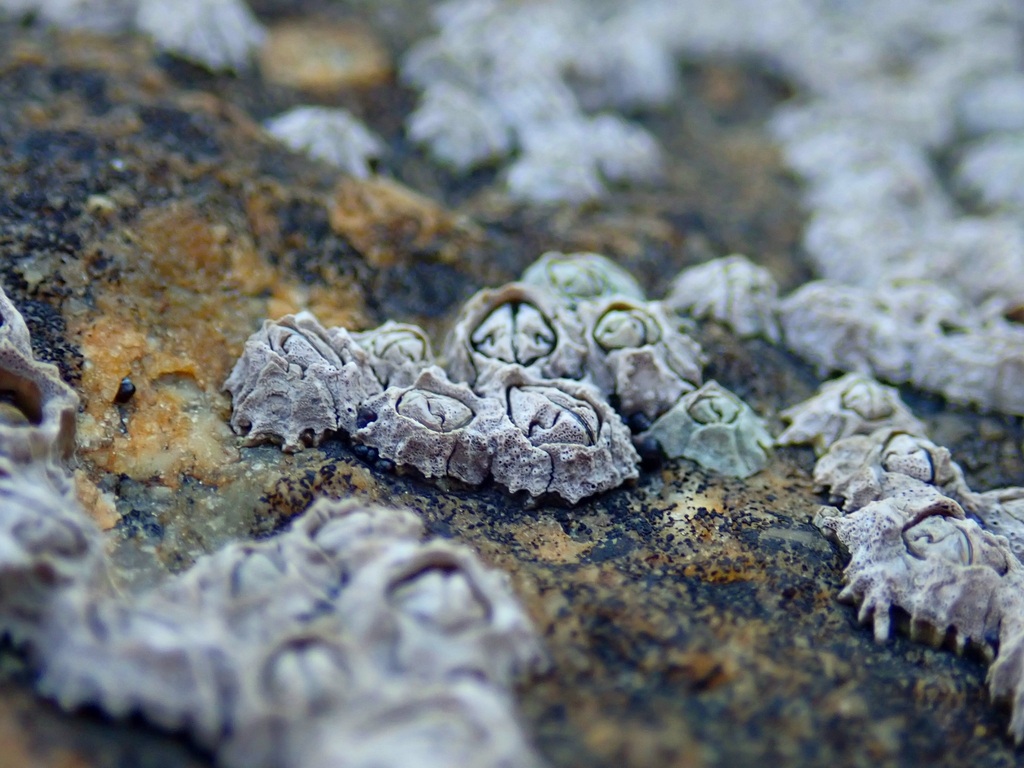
pixel 517 324
pixel 436 608
pixel 398 352
pixel 218 34
pixel 560 437
pixel 333 136
pixel 48 548
pixel 715 428
pixel 577 277
pixel 852 404
pixel 731 290
pixel 297 381
pixel 440 428
pixel 638 357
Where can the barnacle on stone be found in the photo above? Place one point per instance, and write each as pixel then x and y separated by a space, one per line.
pixel 440 428
pixel 351 533
pixel 398 352
pixel 715 428
pixel 217 34
pixel 862 468
pixel 517 324
pixel 853 404
pixel 297 381
pixel 436 610
pixel 638 356
pixel 945 571
pixel 480 135
pixel 731 290
pixel 48 547
pixel 560 437
pixel 577 277
pixel 332 136
pixel 465 722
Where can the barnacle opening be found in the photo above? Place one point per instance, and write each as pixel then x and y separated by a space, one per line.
pixel 434 411
pixel 547 415
pixel 515 332
pixel 626 327
pixel 19 395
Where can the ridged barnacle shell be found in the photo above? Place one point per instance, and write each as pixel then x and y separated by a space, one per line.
pixel 945 571
pixel 398 352
pixel 862 468
pixel 437 612
pixel 559 437
pixel 350 532
pixel 466 722
pixel 440 428
pixel 328 135
pixel 517 324
pixel 716 429
pixel 583 276
pixel 12 326
pixel 731 290
pixel 303 674
pixel 853 404
pixel 48 547
pixel 253 588
pixel 217 34
pixel 296 381
pixel 638 356
pixel 177 671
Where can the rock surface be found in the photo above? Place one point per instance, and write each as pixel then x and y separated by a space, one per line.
pixel 147 228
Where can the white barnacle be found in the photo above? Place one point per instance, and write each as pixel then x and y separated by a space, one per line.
pixel 398 352
pixel 332 136
pixel 518 324
pixel 217 34
pixel 296 382
pixel 582 276
pixel 639 356
pixel 715 428
pixel 853 404
pixel 732 291
pixel 558 437
pixel 437 427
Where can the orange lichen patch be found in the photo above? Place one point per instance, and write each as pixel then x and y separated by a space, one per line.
pixel 546 540
pixel 333 306
pixel 323 56
pixel 383 220
pixel 98 504
pixel 185 299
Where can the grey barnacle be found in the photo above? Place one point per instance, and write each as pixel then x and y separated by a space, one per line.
pixel 715 428
pixel 863 468
pixel 918 553
pixel 638 356
pixel 439 428
pixel 296 381
pixel 577 277
pixel 437 609
pixel 559 437
pixel 517 324
pixel 398 352
pixel 853 404
pixel 732 291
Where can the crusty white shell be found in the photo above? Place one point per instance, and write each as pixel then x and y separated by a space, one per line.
pixel 398 352
pixel 440 428
pixel 731 290
pixel 517 324
pixel 463 723
pixel 638 357
pixel 296 381
pixel 221 35
pixel 48 547
pixel 862 468
pixel 715 428
pixel 582 276
pixel 437 611
pixel 853 404
pixel 559 437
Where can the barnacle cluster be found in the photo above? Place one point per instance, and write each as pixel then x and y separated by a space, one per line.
pixel 543 381
pixel 920 540
pixel 217 34
pixel 347 636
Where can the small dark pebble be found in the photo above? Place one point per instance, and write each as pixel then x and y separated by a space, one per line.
pixel 125 390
